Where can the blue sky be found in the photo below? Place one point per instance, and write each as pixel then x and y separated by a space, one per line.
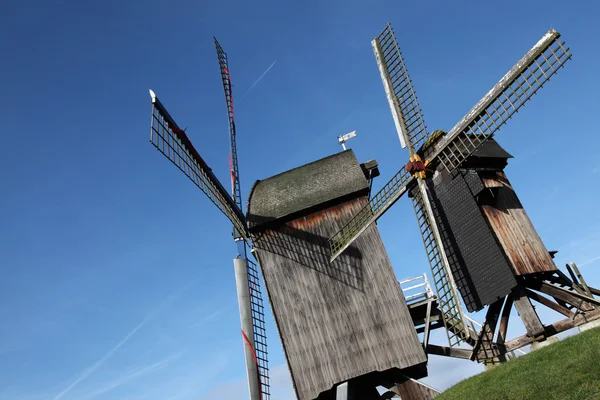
pixel 117 280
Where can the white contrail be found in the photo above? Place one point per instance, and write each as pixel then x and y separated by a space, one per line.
pixel 259 79
pixel 133 375
pixel 90 370
pixel 590 261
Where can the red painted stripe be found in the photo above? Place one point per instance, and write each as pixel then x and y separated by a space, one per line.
pixel 230 98
pixel 256 361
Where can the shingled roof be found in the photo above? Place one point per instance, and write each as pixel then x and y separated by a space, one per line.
pixel 306 189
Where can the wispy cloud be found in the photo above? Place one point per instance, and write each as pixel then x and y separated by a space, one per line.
pixel 137 373
pixel 91 369
pixel 590 261
pixel 207 318
pixel 258 80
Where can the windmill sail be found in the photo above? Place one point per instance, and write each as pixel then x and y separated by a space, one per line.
pixel 401 95
pixel 233 160
pixel 488 115
pixel 523 80
pixel 377 205
pixel 173 142
pixel 449 303
pixel 412 131
pixel 259 345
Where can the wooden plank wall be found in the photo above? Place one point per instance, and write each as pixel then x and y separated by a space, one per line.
pixel 336 320
pixel 411 389
pixel 513 228
pixel 480 269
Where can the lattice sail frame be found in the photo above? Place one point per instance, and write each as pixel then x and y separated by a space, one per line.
pixel 174 144
pixel 410 125
pixel 233 159
pixel 407 114
pixel 519 84
pixel 259 329
pixel 256 299
pixel 480 124
pixel 453 315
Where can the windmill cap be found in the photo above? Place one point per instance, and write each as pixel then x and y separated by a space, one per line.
pixel 306 189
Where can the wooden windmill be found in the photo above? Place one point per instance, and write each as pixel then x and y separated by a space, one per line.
pixel 344 325
pixel 478 238
pixel 343 320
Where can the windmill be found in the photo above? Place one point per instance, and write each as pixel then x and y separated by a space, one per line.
pixel 343 320
pixel 345 326
pixel 479 241
pixel 176 146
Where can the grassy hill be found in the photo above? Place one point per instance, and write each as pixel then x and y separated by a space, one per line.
pixel 569 369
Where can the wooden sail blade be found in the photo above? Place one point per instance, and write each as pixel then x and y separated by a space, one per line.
pixel 523 80
pixel 259 329
pixel 256 298
pixel 377 205
pixel 401 95
pixel 174 144
pixel 228 90
pixel 448 299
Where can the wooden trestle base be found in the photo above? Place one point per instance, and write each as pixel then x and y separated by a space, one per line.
pixel 567 295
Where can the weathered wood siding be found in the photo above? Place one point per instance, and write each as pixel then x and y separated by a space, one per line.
pixel 513 228
pixel 480 269
pixel 411 389
pixel 336 320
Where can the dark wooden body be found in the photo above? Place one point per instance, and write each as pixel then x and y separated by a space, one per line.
pixel 488 237
pixel 480 269
pixel 337 321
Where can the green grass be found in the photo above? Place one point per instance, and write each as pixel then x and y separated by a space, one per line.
pixel 569 369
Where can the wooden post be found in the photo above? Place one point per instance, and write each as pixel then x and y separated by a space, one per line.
pixel 502 357
pixel 427 322
pixel 504 320
pixel 575 283
pixel 585 286
pixel 530 319
pixel 574 298
pixel 486 335
pixel 549 303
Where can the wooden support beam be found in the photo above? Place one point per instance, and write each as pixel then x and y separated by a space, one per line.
pixel 427 322
pixel 572 273
pixel 503 356
pixel 435 324
pixel 574 284
pixel 504 320
pixel 549 303
pixel 560 278
pixel 530 319
pixel 436 315
pixel 448 351
pixel 594 291
pixel 574 298
pixel 583 284
pixel 553 329
pixel 563 303
pixel 489 327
